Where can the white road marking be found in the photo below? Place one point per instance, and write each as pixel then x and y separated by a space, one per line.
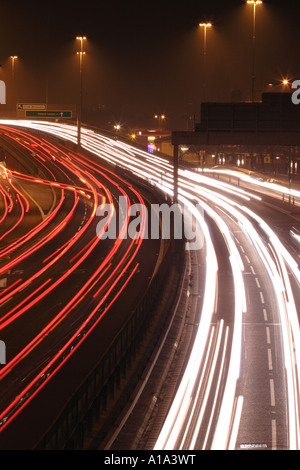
pixel 274 435
pixel 272 392
pixel 268 335
pixel 270 363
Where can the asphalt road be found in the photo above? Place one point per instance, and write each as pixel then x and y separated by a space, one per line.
pixel 62 280
pixel 239 388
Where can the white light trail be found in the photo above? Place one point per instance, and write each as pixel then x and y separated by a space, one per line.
pixel 197 188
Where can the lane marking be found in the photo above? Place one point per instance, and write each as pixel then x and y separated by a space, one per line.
pixel 274 435
pixel 272 392
pixel 268 335
pixel 270 362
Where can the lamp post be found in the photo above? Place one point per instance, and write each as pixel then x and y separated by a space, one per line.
pixel 14 92
pixel 205 26
pixel 117 128
pixel 161 118
pixel 2 90
pixel 79 111
pixel 286 85
pixel 13 58
pixel 254 3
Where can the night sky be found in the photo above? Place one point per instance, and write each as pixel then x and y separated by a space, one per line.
pixel 146 57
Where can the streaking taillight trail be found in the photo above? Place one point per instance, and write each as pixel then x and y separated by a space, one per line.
pixel 180 431
pixel 77 184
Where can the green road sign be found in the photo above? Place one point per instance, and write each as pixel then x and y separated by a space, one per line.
pixel 49 114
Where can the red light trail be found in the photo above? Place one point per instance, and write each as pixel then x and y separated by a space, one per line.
pixel 53 249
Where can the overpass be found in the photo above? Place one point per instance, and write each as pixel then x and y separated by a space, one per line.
pixel 269 126
pixel 273 121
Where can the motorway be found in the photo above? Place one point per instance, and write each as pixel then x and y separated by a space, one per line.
pixel 240 387
pixel 61 276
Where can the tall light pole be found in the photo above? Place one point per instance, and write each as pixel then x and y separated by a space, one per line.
pixel 161 118
pixel 286 84
pixel 254 3
pixel 13 58
pixel 205 26
pixel 14 92
pixel 79 111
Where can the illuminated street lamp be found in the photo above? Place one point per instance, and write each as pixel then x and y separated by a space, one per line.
pixel 13 59
pixel 79 112
pixel 254 3
pixel 205 26
pixel 160 118
pixel 285 82
pixel 285 85
pixel 281 84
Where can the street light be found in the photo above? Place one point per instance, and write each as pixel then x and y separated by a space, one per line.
pixel 160 118
pixel 254 3
pixel 13 58
pixel 285 82
pixel 79 112
pixel 205 26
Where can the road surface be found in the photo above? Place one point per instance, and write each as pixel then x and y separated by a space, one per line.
pixel 61 278
pixel 240 387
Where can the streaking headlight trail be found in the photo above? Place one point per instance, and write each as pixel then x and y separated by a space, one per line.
pixel 213 370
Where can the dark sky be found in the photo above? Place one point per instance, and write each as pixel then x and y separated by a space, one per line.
pixel 146 57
